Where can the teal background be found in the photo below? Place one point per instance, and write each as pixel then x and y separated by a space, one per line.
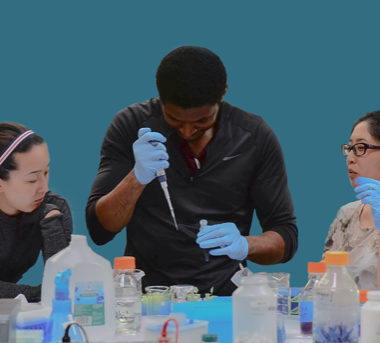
pixel 309 68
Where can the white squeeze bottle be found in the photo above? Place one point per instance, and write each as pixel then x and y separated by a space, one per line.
pixel 370 319
pixel 254 306
pixel 91 287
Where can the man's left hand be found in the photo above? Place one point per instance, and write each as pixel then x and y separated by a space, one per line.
pixel 369 193
pixel 227 237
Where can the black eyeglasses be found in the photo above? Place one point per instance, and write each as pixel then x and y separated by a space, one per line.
pixel 359 149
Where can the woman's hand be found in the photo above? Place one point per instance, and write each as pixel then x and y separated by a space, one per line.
pixel 369 193
pixel 52 213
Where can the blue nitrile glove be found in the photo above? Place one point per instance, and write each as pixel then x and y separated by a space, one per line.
pixel 369 193
pixel 226 236
pixel 149 158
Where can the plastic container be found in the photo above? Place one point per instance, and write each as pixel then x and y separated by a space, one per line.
pixel 254 311
pixel 316 271
pixel 33 317
pixel 217 312
pixel 127 295
pixel 91 287
pixel 370 318
pixel 29 336
pixel 336 302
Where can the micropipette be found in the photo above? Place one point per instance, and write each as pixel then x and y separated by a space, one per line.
pixel 203 223
pixel 161 176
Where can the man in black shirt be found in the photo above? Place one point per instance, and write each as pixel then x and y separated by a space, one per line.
pixel 224 164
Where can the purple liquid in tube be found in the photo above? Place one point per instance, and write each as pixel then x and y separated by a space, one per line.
pixel 307 328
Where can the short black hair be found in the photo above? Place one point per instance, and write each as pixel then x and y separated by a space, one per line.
pixel 373 120
pixel 191 76
pixel 8 133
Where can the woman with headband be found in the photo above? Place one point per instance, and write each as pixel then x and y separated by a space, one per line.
pixel 32 219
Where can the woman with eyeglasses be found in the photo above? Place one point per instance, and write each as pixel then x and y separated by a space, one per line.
pixel 356 228
pixel 32 219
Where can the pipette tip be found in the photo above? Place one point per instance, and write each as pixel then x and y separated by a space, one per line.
pixel 175 221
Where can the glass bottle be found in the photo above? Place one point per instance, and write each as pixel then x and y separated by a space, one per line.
pixel 127 295
pixel 336 302
pixel 316 271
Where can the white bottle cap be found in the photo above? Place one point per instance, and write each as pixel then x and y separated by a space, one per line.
pixel 254 280
pixel 373 295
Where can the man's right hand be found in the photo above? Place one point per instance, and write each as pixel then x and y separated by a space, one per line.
pixel 149 158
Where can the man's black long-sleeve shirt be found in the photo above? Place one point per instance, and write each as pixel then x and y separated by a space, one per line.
pixel 244 171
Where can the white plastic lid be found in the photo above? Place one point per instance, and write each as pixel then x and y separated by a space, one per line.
pixel 78 240
pixel 254 280
pixel 373 295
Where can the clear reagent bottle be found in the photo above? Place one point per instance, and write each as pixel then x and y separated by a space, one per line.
pixel 127 296
pixel 316 271
pixel 336 302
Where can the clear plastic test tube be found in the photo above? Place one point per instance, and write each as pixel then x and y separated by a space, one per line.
pixel 203 223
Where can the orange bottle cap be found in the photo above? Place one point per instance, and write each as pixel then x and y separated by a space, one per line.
pixel 363 295
pixel 336 258
pixel 125 262
pixel 316 267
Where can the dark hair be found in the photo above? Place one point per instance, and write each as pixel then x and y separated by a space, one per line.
pixel 191 76
pixel 8 133
pixel 373 120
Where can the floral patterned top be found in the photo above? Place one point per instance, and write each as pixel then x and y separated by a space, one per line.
pixel 346 234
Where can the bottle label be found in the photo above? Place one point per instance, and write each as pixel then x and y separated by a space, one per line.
pixel 306 311
pixel 89 303
pixel 260 308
